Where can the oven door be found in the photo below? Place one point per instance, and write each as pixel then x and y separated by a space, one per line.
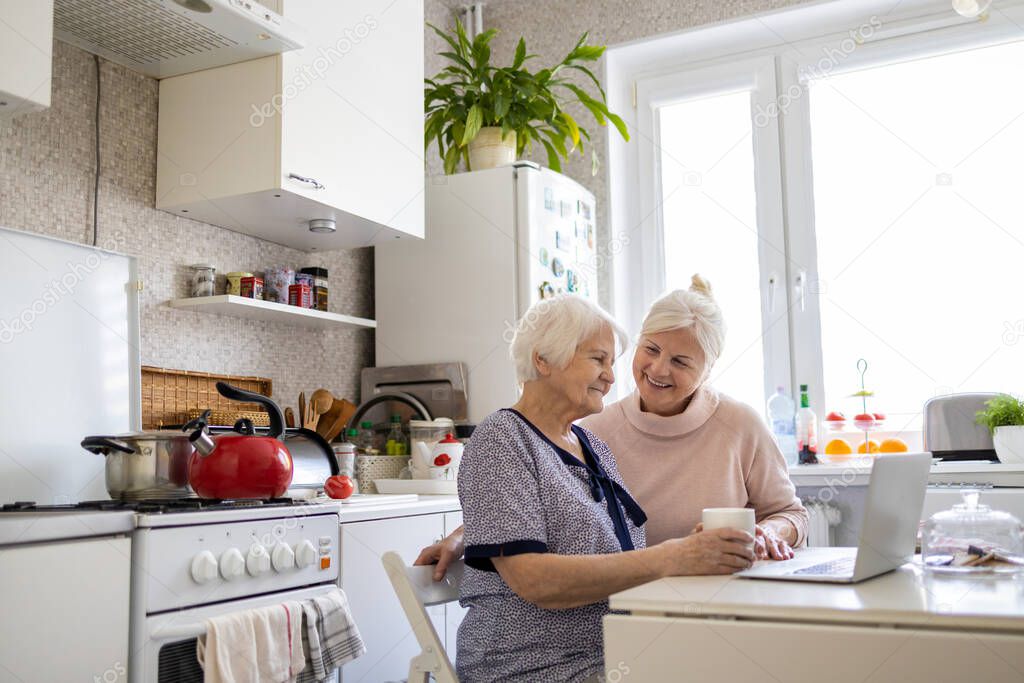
pixel 167 651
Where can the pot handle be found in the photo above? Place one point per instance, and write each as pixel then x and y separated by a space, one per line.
pixel 102 445
pixel 276 416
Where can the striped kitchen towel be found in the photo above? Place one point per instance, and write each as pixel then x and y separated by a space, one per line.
pixel 329 635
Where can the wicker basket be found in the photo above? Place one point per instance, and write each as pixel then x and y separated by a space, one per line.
pixel 370 467
pixel 227 418
pixel 169 395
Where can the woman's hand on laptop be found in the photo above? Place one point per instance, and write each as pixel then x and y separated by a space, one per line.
pixel 768 545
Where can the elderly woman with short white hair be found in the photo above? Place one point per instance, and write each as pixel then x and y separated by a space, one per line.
pixel 550 528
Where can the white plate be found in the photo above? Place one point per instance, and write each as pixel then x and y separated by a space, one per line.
pixel 435 487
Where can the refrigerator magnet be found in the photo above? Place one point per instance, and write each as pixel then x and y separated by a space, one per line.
pixel 570 281
pixel 545 258
pixel 561 241
pixel 590 236
pixel 557 267
pixel 546 290
pixel 549 199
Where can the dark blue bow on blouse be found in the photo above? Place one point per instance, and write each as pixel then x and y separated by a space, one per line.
pixel 600 482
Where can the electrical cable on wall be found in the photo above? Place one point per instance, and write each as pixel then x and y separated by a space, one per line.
pixel 96 180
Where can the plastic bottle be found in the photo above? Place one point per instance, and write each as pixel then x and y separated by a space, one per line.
pixel 781 412
pixel 806 430
pixel 367 439
pixel 396 444
pixel 345 454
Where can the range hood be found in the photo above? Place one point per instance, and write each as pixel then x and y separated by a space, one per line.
pixel 163 38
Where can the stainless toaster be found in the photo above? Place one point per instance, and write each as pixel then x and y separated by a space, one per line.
pixel 950 429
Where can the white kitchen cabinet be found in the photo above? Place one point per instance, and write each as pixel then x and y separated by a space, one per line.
pixel 65 610
pixel 453 611
pixel 390 642
pixel 344 114
pixel 26 52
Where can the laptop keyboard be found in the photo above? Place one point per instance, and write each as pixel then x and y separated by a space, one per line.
pixel 840 567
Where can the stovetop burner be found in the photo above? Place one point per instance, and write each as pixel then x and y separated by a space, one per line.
pixel 155 506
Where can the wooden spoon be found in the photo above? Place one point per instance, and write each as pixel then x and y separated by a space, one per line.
pixel 302 408
pixel 324 401
pixel 289 418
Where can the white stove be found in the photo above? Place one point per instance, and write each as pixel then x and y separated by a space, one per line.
pixel 192 564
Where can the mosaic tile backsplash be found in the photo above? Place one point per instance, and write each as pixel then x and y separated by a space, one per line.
pixel 46 180
pixel 46 176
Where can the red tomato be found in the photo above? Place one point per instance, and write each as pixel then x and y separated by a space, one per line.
pixel 835 417
pixel 442 460
pixel 338 486
pixel 865 417
pixel 879 416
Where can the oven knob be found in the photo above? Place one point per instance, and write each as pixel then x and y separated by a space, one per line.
pixel 232 564
pixel 283 557
pixel 257 561
pixel 204 567
pixel 305 554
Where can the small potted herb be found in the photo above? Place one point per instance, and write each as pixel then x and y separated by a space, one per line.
pixel 1004 417
pixel 488 116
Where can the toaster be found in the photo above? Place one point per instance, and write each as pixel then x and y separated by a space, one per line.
pixel 950 429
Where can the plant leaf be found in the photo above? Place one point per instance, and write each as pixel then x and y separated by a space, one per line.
pixel 501 104
pixel 520 54
pixel 574 129
pixel 473 123
pixel 553 163
pixel 619 124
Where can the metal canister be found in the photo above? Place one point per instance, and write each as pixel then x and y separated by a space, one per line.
pixel 319 276
pixel 235 282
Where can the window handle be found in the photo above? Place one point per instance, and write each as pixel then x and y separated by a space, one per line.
pixel 773 283
pixel 800 289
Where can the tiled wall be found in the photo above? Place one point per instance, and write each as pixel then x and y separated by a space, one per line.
pixel 551 28
pixel 46 176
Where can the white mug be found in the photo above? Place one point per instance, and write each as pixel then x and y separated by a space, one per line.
pixel 728 518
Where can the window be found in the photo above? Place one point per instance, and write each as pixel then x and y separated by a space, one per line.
pixel 917 217
pixel 708 204
pixel 853 196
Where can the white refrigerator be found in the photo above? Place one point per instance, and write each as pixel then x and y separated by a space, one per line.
pixel 496 242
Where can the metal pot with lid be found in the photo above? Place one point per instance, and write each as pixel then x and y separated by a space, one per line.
pixel 143 465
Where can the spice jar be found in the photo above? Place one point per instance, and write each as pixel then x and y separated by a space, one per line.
pixel 203 278
pixel 235 282
pixel 319 276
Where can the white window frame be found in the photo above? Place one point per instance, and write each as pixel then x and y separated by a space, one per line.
pixel 785 39
pixel 756 75
pixel 795 67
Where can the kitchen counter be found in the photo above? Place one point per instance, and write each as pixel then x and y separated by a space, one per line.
pixel 422 505
pixel 39 527
pixel 907 625
pixel 857 471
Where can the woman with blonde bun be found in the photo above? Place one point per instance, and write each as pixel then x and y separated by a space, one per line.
pixel 680 445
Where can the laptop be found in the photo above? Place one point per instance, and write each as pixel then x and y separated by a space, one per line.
pixel 892 512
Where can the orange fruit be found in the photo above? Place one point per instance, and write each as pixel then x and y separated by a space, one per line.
pixel 838 447
pixel 872 447
pixel 893 446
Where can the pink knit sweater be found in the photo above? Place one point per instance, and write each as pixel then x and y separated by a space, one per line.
pixel 716 453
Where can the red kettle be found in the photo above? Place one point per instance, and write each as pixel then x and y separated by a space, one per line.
pixel 240 464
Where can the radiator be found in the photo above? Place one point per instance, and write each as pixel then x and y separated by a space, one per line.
pixel 822 520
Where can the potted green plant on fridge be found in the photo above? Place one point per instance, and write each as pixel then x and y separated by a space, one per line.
pixel 487 116
pixel 1004 416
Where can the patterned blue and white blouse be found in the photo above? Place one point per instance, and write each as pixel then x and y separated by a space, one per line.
pixel 521 493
